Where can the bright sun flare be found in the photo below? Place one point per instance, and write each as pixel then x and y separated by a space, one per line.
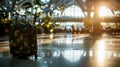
pixel 105 12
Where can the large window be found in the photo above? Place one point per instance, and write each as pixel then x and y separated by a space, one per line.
pixel 105 12
pixel 73 11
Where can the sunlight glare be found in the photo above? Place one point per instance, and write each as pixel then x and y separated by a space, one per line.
pixel 105 12
pixel 101 51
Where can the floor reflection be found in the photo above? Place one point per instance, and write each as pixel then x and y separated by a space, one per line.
pixel 70 51
pixel 101 53
pixel 72 55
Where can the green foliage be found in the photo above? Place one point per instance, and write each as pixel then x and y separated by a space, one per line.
pixel 37 2
pixel 48 24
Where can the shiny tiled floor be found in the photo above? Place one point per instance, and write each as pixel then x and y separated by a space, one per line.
pixel 68 50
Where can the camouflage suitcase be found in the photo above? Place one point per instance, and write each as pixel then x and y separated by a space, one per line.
pixel 22 40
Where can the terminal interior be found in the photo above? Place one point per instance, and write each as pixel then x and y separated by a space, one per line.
pixel 69 33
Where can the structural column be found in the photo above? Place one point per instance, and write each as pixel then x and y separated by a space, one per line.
pixel 96 22
pixel 88 22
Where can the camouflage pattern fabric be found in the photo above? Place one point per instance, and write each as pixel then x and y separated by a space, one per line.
pixel 22 40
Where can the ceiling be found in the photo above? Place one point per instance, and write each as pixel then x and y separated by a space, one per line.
pixel 51 5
